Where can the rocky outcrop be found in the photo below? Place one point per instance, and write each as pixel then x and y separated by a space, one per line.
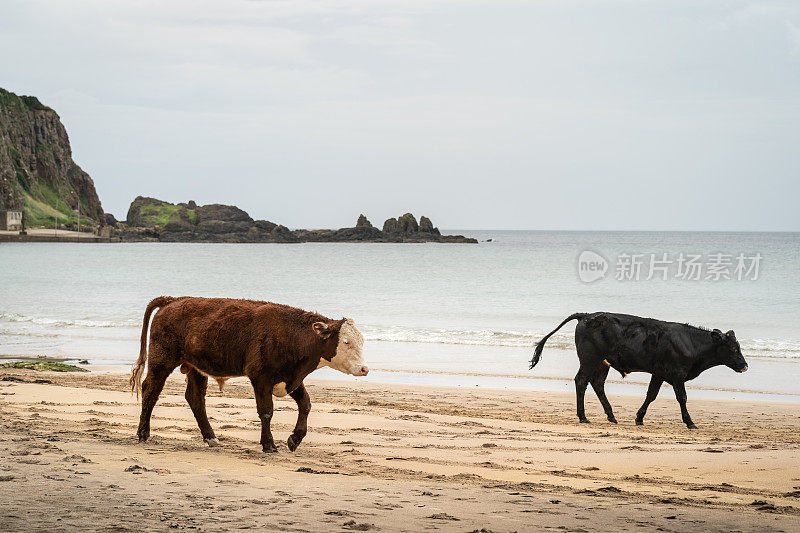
pixel 360 234
pixel 426 226
pixel 188 222
pixel 146 212
pixel 407 224
pixel 362 222
pixel 37 172
pixel 265 225
pixel 390 226
pixel 363 231
pixel 151 219
pixel 228 213
pixel 406 229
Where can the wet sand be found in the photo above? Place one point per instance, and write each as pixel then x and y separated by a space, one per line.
pixel 392 458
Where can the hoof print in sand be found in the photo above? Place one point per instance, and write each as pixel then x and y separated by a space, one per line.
pixel 308 470
pixel 76 459
pixel 442 516
pixel 353 526
pixel 137 469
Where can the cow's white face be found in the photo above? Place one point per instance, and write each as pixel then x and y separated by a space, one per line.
pixel 349 356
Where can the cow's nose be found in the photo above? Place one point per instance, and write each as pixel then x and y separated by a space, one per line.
pixel 364 370
pixel 744 369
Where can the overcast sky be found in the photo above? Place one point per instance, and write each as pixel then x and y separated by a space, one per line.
pixel 549 114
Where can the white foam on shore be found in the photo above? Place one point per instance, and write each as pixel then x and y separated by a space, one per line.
pixel 18 325
pixel 63 323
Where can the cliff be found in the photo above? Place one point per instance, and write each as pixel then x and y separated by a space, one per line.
pixel 37 172
pixel 155 220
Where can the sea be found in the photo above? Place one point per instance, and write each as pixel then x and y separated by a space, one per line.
pixel 433 314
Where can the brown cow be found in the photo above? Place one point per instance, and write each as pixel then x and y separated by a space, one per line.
pixel 274 345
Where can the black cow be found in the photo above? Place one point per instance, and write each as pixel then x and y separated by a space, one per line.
pixel 670 351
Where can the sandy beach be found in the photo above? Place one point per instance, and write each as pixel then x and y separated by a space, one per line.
pixel 389 457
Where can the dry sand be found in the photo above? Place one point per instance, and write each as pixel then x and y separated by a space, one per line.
pixel 392 458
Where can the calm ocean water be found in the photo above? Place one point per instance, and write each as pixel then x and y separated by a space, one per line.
pixel 433 313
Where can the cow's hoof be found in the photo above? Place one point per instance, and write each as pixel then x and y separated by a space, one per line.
pixel 612 420
pixel 271 449
pixel 639 422
pixel 211 442
pixel 291 443
pixel 585 421
pixel 691 426
pixel 143 438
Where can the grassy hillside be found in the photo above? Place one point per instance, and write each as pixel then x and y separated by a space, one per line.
pixel 161 214
pixel 40 214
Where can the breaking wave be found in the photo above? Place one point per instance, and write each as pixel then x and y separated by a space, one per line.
pixel 19 325
pixel 779 348
pixel 63 323
pixel 478 337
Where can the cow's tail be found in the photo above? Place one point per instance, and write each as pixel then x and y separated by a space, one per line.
pixel 537 353
pixel 138 367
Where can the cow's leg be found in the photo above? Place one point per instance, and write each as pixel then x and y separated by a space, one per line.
pixel 652 392
pixel 680 395
pixel 590 360
pixel 581 382
pixel 196 385
pixel 300 395
pixel 263 393
pixel 598 384
pixel 157 374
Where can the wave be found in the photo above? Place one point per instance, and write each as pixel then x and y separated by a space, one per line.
pixel 61 322
pixel 478 337
pixel 778 348
pixel 770 348
pixel 55 327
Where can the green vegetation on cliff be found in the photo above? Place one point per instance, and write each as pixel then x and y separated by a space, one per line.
pixel 42 213
pixel 23 102
pixel 162 214
pixel 152 212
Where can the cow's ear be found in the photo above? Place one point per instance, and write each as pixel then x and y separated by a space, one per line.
pixel 731 334
pixel 322 329
pixel 717 334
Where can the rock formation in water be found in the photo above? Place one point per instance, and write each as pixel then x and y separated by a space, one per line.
pixel 153 219
pixel 156 220
pixel 37 172
pixel 407 229
pixel 362 222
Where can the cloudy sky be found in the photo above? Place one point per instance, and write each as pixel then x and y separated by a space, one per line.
pixel 537 114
